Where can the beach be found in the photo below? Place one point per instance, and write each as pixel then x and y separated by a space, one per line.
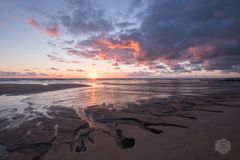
pixel 168 120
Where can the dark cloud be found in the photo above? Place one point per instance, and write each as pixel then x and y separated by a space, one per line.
pixel 179 68
pixel 184 35
pixel 82 17
pixel 170 29
pixel 156 67
pixel 136 6
pixel 140 74
pixel 125 24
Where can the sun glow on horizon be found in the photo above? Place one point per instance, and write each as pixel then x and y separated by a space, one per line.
pixel 93 75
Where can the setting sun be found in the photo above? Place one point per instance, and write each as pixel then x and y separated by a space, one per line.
pixel 92 75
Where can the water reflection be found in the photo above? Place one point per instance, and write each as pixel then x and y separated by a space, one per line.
pixel 92 99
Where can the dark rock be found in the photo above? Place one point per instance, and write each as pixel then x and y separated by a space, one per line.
pixel 127 143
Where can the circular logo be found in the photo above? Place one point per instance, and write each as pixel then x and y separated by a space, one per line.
pixel 222 146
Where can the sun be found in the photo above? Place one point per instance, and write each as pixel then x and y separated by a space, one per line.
pixel 92 75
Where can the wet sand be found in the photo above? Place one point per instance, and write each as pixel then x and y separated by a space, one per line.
pixel 18 89
pixel 178 127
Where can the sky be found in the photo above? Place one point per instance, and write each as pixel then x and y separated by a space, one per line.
pixel 119 39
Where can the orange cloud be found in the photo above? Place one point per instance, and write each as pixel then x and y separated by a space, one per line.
pixel 52 31
pixel 103 56
pixel 122 51
pixel 124 44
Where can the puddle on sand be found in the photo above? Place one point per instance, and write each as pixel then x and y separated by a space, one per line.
pixel 18 109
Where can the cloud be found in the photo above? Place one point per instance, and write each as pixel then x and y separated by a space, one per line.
pixel 83 17
pixel 103 56
pixel 203 32
pixel 73 61
pixel 140 74
pixel 58 59
pixel 135 5
pixel 55 69
pixel 115 64
pixel 20 74
pixel 77 70
pixel 55 58
pixel 106 48
pixel 218 56
pixel 3 74
pixel 52 44
pixel 172 36
pixel 70 42
pixel 80 70
pixel 50 30
pixel 125 24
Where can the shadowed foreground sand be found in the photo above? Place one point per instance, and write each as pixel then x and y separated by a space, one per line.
pixel 180 127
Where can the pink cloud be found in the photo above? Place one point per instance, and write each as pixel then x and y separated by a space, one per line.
pixel 121 51
pixel 103 56
pixel 131 45
pixel 115 64
pixel 52 31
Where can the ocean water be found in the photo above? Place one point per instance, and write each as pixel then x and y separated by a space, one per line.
pixel 115 93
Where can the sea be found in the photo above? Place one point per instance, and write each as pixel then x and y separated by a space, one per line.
pixel 115 93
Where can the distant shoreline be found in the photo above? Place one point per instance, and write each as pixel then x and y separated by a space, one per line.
pixel 127 78
pixel 18 89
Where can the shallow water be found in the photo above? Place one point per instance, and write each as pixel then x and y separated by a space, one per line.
pixel 117 92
